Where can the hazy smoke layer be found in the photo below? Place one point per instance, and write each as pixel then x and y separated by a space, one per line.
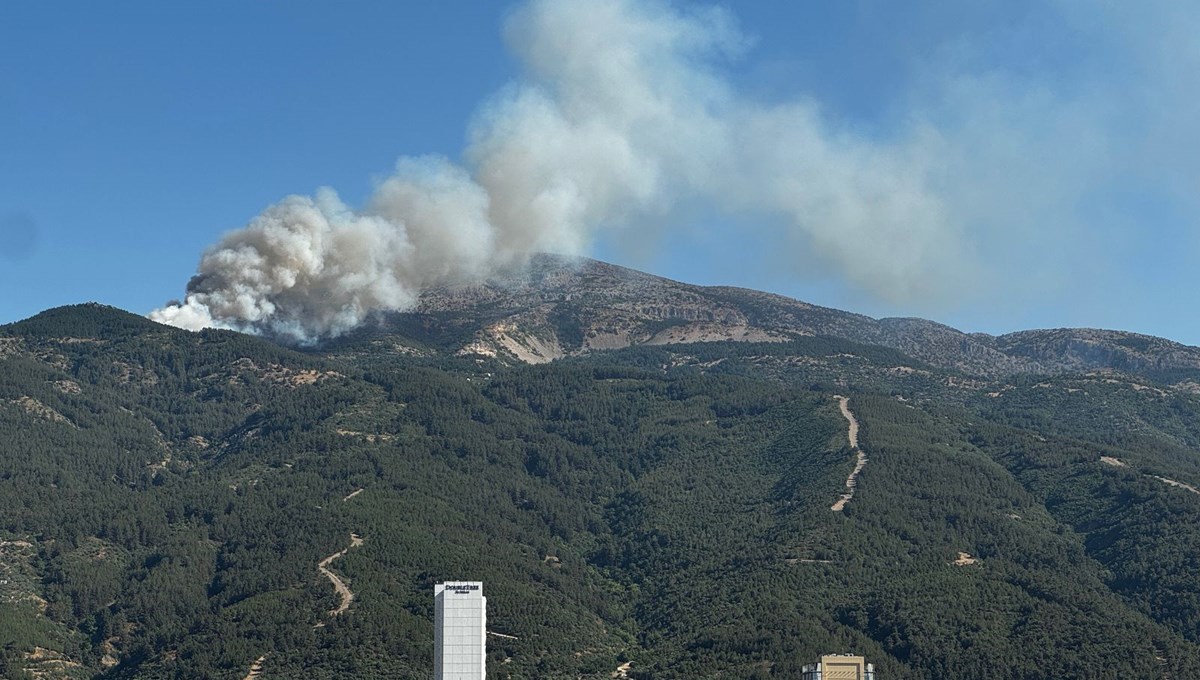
pixel 623 116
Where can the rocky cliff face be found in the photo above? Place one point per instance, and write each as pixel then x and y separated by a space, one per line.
pixel 560 307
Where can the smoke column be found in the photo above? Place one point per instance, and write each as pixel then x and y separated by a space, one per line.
pixel 622 116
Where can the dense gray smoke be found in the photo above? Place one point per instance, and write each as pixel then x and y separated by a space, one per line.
pixel 623 116
pixel 312 267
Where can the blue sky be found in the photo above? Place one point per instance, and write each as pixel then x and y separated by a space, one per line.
pixel 1045 153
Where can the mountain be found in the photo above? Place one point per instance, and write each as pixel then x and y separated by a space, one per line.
pixel 561 306
pixel 660 494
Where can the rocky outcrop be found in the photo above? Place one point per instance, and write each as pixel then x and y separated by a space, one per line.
pixel 558 306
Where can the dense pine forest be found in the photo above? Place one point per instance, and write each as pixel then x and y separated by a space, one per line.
pixel 166 498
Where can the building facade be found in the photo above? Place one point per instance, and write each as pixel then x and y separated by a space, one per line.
pixel 839 667
pixel 459 631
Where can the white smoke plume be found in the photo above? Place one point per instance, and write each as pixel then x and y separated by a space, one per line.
pixel 623 115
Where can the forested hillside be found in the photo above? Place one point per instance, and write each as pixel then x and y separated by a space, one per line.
pixel 166 499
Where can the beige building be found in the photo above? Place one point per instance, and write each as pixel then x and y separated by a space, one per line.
pixel 840 667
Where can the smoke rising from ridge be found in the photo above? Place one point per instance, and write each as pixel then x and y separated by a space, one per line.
pixel 623 116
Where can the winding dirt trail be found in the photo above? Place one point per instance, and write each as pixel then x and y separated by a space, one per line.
pixel 502 635
pixel 1116 462
pixel 256 668
pixel 852 434
pixel 338 584
pixel 1174 483
pixel 1160 657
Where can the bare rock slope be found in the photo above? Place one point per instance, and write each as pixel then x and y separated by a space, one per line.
pixel 559 307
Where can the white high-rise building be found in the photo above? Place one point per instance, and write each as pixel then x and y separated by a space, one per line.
pixel 459 631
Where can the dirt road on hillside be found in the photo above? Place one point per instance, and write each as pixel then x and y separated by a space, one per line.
pixel 256 668
pixel 338 584
pixel 1117 462
pixel 852 434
